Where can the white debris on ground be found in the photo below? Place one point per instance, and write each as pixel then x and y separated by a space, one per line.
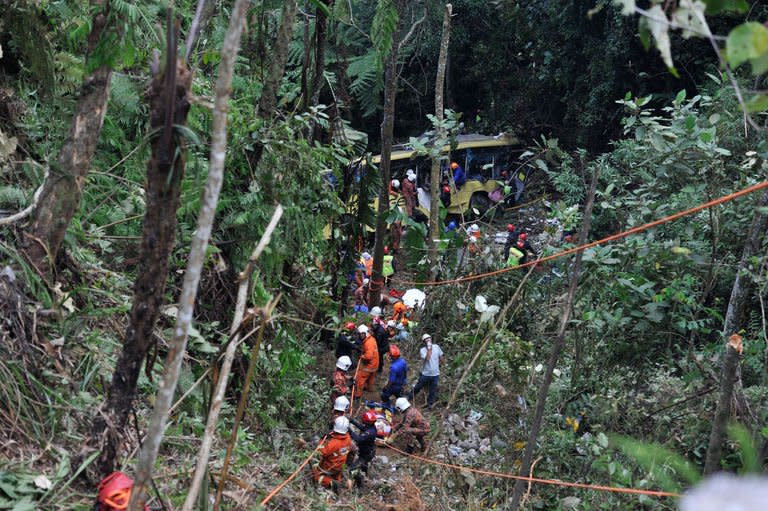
pixel 463 437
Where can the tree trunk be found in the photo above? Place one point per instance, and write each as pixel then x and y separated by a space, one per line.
pixel 265 108
pixel 734 318
pixel 557 348
pixel 434 175
pixel 62 191
pixel 279 55
pixel 169 105
pixel 387 133
pixel 178 344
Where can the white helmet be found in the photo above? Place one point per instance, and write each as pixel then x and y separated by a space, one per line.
pixel 395 183
pixel 366 281
pixel 474 228
pixel 366 255
pixel 411 177
pixel 376 311
pixel 425 337
pixel 401 404
pixel 344 362
pixel 410 172
pixel 341 404
pixel 341 425
pixel 362 329
pixel 391 323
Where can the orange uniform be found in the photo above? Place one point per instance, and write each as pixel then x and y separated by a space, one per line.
pixel 333 458
pixel 369 365
pixel 399 313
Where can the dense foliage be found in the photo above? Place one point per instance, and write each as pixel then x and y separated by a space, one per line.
pixel 635 389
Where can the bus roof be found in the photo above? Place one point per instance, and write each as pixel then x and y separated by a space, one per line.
pixel 469 141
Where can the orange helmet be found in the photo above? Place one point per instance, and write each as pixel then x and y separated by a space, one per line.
pixel 394 351
pixel 369 417
pixel 454 165
pixel 399 307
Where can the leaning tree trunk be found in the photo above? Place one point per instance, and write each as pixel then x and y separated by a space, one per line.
pixel 63 189
pixel 557 348
pixel 169 105
pixel 387 133
pixel 434 175
pixel 734 318
pixel 178 344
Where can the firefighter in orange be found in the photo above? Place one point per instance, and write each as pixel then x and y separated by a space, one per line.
pixel 473 239
pixel 370 362
pixel 333 456
pixel 400 313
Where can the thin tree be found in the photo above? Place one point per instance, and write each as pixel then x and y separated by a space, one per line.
pixel 434 174
pixel 557 348
pixel 178 344
pixel 63 188
pixel 734 318
pixel 388 41
pixel 169 105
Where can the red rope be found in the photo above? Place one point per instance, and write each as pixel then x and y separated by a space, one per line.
pixel 554 482
pixel 623 234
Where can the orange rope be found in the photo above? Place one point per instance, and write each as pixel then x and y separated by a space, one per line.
pixel 282 485
pixel 554 482
pixel 623 234
pixel 354 382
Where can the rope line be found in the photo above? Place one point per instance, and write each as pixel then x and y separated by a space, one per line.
pixel 290 478
pixel 619 235
pixel 553 482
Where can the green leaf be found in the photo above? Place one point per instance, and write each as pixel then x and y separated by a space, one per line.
pixel 759 64
pixel 745 42
pixel 747 448
pixel 660 461
pixel 627 6
pixel 757 103
pixel 659 26
pixel 715 6
pixel 644 31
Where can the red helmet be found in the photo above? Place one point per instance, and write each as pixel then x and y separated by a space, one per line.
pixel 115 491
pixel 369 417
pixel 520 244
pixel 446 189
pixel 394 351
pixel 386 250
pixel 510 227
pixel 523 236
pixel 350 326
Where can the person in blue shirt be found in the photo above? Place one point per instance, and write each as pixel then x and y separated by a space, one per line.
pixel 459 177
pixel 398 374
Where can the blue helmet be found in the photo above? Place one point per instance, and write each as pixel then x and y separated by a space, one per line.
pixel 452 225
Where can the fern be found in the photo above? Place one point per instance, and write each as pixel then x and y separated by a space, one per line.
pixel 383 27
pixel 12 197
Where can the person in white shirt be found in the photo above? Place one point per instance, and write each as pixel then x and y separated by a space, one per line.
pixel 431 354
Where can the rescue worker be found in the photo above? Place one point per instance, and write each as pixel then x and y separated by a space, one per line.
pixel 396 234
pixel 340 409
pixel 367 261
pixel 340 381
pixel 398 375
pixel 409 192
pixel 524 247
pixel 445 195
pixel 399 312
pixel 361 297
pixel 370 362
pixel 366 445
pixel 451 226
pixel 345 342
pixel 381 335
pixel 431 354
pixel 511 239
pixel 394 187
pixel 388 266
pixel 474 239
pixel 402 334
pixel 459 177
pixel 412 428
pixel 329 472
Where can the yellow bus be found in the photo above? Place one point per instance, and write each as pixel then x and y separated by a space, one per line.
pixel 483 158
